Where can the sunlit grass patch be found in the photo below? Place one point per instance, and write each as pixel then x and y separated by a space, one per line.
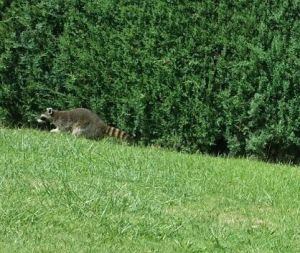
pixel 62 194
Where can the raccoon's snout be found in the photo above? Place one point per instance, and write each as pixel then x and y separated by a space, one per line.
pixel 42 119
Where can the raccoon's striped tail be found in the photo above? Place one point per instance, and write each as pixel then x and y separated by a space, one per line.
pixel 117 133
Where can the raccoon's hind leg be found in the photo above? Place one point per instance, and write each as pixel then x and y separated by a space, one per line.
pixel 77 131
pixel 89 132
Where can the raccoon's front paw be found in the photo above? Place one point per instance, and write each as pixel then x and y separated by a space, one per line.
pixel 56 130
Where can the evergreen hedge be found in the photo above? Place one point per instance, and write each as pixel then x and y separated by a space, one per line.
pixel 209 76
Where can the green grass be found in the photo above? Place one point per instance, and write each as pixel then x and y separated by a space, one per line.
pixel 61 194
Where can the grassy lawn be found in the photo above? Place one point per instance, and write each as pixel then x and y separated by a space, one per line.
pixel 61 194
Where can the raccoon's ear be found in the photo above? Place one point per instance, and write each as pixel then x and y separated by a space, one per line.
pixel 50 111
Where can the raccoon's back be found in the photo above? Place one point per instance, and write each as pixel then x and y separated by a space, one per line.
pixel 85 115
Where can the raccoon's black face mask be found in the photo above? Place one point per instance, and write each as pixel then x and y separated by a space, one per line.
pixel 46 117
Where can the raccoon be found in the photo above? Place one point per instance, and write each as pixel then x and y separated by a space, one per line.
pixel 80 122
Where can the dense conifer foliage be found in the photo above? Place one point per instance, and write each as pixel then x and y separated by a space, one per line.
pixel 209 76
